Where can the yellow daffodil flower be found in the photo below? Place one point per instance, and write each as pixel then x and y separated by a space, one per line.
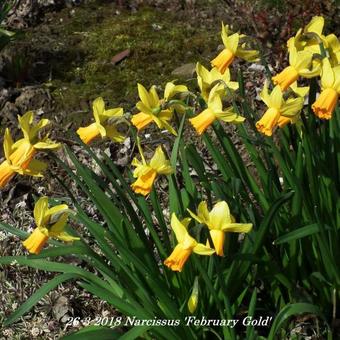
pixel 19 156
pixel 186 245
pixel 301 63
pixel 214 111
pixel 330 86
pixel 280 112
pixel 146 173
pixel 104 124
pixel 309 38
pixel 234 47
pixel 207 79
pixel 219 221
pixel 152 108
pixel 171 90
pixel 50 222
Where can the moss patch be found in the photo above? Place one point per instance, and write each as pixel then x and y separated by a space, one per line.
pixel 76 50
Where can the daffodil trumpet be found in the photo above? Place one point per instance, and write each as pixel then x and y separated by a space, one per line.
pixel 325 104
pixel 278 108
pixel 50 222
pixel 301 63
pixel 219 221
pixel 234 46
pixel 146 173
pixel 154 109
pixel 105 124
pixel 214 111
pixel 186 245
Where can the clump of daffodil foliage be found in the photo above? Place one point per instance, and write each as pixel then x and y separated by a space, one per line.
pixel 187 266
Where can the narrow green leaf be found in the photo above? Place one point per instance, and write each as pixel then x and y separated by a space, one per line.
pixel 298 233
pixel 38 295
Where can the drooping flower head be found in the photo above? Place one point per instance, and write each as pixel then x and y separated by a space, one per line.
pixel 186 245
pixel 146 173
pixel 50 222
pixel 219 221
pixel 19 155
pixel 214 111
pixel 234 46
pixel 153 109
pixel 208 79
pixel 330 86
pixel 280 111
pixel 104 125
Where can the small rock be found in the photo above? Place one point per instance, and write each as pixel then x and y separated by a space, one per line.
pixel 61 307
pixel 123 161
pixel 256 67
pixel 35 331
pixel 32 98
pixel 4 96
pixel 9 112
pixel 185 71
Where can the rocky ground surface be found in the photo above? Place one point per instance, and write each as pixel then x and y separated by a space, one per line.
pixel 67 53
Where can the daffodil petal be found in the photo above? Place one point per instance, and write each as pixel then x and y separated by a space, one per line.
pixel 116 112
pixel 35 168
pixel 219 215
pixel 232 42
pixel 276 97
pixel 40 209
pixel 59 225
pixel 25 121
pixel 98 107
pixel 237 227
pixel 158 160
pixel 144 96
pixel 203 212
pixel 201 249
pixel 178 228
pixel 47 145
pixel 315 25
pixel 66 237
pixel 292 107
pixel 114 134
pixel 194 216
pixel 153 97
pixel 8 143
pixel 327 78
